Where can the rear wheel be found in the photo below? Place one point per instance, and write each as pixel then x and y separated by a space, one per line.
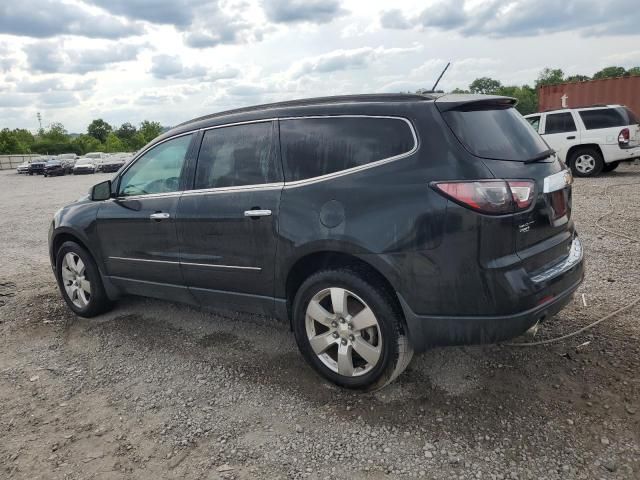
pixel 610 167
pixel 80 282
pixel 349 331
pixel 586 162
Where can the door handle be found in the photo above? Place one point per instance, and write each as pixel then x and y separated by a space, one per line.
pixel 571 137
pixel 257 213
pixel 159 216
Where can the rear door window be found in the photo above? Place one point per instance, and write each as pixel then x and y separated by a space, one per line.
pixel 607 118
pixel 559 123
pixel 238 155
pixel 495 133
pixel 312 147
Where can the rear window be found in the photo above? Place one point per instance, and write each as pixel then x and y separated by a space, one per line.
pixel 607 118
pixel 312 147
pixel 496 133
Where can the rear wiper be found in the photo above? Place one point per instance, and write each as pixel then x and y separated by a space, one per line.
pixel 541 156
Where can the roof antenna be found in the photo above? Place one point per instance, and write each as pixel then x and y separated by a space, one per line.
pixel 433 89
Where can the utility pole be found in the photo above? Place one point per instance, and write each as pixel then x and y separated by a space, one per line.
pixel 39 120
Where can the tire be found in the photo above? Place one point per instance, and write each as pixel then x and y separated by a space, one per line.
pixel 610 167
pixel 335 353
pixel 84 302
pixel 586 162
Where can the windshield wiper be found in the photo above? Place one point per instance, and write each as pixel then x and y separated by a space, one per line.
pixel 541 156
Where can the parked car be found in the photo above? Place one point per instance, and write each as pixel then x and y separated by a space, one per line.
pixel 377 225
pixel 23 168
pixel 84 165
pixel 590 140
pixel 112 164
pixel 54 168
pixel 36 167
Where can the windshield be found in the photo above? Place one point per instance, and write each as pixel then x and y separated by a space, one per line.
pixel 83 161
pixel 496 133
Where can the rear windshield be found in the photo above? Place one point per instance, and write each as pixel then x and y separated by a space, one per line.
pixel 496 133
pixel 607 118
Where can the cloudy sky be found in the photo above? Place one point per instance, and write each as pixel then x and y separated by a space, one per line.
pixel 171 60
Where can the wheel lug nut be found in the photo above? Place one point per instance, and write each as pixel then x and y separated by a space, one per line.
pixel 351 326
pixel 342 320
pixel 334 324
pixel 335 335
pixel 344 341
pixel 352 338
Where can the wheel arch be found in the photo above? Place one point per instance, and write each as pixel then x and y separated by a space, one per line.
pixel 311 263
pixel 63 235
pixel 582 146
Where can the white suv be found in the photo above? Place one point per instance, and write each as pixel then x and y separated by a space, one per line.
pixel 590 140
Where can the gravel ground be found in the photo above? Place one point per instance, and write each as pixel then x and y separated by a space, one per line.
pixel 157 390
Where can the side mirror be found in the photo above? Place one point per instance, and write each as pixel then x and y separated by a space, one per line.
pixel 101 191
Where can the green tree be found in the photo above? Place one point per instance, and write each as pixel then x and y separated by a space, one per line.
pixel 99 129
pixel 577 78
pixel 149 130
pixel 527 97
pixel 485 86
pixel 55 133
pixel 85 144
pixel 550 76
pixel 459 90
pixel 8 142
pixel 634 71
pixel 15 141
pixel 114 143
pixel 610 72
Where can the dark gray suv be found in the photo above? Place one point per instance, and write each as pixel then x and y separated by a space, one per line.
pixel 377 225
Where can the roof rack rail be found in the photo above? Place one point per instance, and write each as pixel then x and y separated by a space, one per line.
pixel 368 97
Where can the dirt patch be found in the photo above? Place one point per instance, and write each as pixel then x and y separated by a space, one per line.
pixel 159 390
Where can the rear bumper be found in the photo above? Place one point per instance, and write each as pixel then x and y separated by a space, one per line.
pixel 551 291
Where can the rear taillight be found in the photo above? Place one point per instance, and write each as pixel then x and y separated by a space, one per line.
pixel 493 197
pixel 623 136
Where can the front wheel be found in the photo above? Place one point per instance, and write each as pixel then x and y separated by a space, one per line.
pixel 349 331
pixel 80 282
pixel 586 162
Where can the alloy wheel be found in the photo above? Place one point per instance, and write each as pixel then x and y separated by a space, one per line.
pixel 74 279
pixel 343 332
pixel 585 164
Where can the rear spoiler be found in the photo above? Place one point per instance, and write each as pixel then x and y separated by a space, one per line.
pixel 454 101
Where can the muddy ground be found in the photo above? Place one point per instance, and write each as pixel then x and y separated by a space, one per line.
pixel 156 390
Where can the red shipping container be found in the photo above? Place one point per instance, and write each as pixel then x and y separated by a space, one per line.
pixel 607 91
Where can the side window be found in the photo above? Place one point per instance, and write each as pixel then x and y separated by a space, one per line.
pixel 559 123
pixel 238 155
pixel 534 121
pixel 604 118
pixel 158 170
pixel 312 147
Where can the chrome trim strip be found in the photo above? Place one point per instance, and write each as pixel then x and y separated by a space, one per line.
pixel 377 163
pixel 257 213
pixel 127 259
pixel 241 188
pixel 246 122
pixel 233 267
pixel 574 257
pixel 148 195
